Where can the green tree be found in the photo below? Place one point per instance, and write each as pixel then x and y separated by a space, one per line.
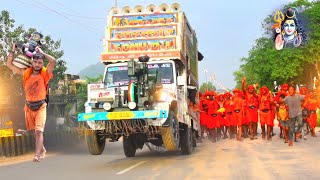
pixel 94 79
pixel 81 94
pixel 207 86
pixel 9 34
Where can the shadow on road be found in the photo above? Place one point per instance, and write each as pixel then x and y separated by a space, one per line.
pixel 115 148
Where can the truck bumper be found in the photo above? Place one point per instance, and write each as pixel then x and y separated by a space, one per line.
pixel 124 115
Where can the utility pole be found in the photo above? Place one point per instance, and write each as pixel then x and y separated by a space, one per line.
pixel 116 3
pixel 206 72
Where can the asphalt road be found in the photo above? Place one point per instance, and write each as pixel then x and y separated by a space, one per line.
pixel 226 159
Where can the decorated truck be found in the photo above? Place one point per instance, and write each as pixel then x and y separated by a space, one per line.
pixel 149 94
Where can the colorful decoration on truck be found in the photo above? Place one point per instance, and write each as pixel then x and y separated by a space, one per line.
pixel 147 19
pixel 143 45
pixel 156 32
pixel 162 33
pixel 123 115
pixel 142 33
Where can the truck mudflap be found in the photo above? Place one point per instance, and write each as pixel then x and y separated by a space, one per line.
pixel 123 115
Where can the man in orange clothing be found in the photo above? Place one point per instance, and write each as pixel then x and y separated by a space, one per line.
pixel 251 108
pixel 221 113
pixel 312 104
pixel 230 122
pixel 214 118
pixel 203 114
pixel 35 81
pixel 282 93
pixel 237 114
pixel 265 112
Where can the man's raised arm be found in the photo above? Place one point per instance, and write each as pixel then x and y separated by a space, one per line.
pixel 52 61
pixel 243 84
pixel 10 59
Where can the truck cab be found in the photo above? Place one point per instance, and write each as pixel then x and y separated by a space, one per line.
pixel 148 83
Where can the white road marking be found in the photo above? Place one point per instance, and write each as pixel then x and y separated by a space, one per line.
pixel 131 167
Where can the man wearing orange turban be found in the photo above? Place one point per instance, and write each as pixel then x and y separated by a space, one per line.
pixel 251 108
pixel 265 112
pixel 237 114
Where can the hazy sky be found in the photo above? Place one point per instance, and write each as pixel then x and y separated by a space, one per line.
pixel 226 29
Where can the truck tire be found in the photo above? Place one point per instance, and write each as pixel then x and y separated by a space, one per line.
pixel 186 141
pixel 129 148
pixel 170 134
pixel 95 143
pixel 194 138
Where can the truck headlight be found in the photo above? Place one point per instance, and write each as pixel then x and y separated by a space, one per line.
pixel 164 96
pixel 132 105
pixel 87 104
pixel 87 107
pixel 107 106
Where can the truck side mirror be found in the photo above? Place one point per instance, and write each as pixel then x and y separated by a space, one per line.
pixel 131 68
pixel 180 81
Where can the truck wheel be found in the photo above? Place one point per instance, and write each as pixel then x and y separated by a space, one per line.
pixel 95 142
pixel 170 134
pixel 194 138
pixel 128 146
pixel 186 141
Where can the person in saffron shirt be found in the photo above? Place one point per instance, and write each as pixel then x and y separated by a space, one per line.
pixel 237 114
pixel 214 117
pixel 312 104
pixel 230 122
pixel 203 115
pixel 221 113
pixel 265 112
pixel 283 118
pixel 35 82
pixel 282 93
pixel 251 108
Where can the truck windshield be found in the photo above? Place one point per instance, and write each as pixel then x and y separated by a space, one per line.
pixel 164 70
pixel 117 76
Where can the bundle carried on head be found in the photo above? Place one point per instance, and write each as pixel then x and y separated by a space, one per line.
pixel 28 50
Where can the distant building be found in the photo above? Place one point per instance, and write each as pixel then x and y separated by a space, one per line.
pixel 68 84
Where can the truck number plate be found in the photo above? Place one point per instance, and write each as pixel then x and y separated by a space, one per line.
pixel 120 115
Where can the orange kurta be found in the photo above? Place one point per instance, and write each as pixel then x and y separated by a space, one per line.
pixel 228 113
pixel 265 111
pixel 214 117
pixel 251 108
pixel 203 113
pixel 312 105
pixel 35 90
pixel 222 118
pixel 237 110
